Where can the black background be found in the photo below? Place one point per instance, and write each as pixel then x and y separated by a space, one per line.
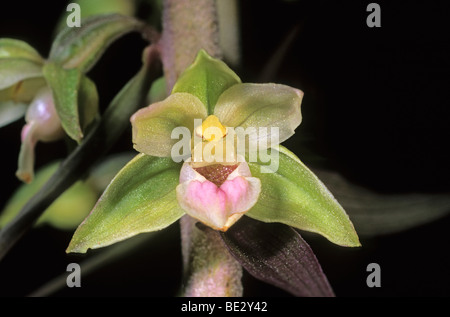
pixel 376 106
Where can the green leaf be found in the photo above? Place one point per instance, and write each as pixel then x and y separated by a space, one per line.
pixel 82 47
pixel 14 70
pixel 141 198
pixel 207 78
pixel 69 86
pixel 65 213
pixel 11 48
pixel 293 195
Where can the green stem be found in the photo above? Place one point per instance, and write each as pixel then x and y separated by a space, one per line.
pixel 188 26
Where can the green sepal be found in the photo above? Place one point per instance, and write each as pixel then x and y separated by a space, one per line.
pixel 158 91
pixel 82 47
pixel 88 102
pixel 140 198
pixel 207 78
pixel 293 195
pixel 70 88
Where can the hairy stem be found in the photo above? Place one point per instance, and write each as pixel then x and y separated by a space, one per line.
pixel 188 26
pixel 209 268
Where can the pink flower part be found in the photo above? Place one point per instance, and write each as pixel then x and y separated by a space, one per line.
pixel 217 206
pixel 234 190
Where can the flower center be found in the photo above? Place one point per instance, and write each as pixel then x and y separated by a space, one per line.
pixel 217 173
pixel 211 129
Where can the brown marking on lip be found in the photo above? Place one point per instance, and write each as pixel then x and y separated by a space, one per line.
pixel 216 173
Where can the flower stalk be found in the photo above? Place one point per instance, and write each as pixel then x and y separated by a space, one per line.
pixel 209 269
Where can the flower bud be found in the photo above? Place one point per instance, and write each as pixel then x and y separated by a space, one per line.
pixel 42 124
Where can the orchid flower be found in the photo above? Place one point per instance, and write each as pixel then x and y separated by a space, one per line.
pixel 42 124
pixel 215 189
pixel 49 96
pixel 169 178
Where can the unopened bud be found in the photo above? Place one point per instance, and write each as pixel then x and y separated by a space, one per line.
pixel 42 124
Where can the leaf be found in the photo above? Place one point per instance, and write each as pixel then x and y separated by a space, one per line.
pixel 12 48
pixel 207 78
pixel 293 195
pixel 11 111
pixel 82 47
pixel 277 254
pixel 64 213
pixel 375 213
pixel 14 70
pixel 65 85
pixel 141 198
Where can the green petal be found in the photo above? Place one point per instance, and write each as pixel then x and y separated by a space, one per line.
pixel 20 71
pixel 261 106
pixel 82 47
pixel 14 70
pixel 293 195
pixel 207 78
pixel 11 48
pixel 153 125
pixel 11 111
pixel 141 198
pixel 23 91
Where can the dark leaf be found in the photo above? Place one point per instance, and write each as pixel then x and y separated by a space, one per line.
pixel 375 213
pixel 277 254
